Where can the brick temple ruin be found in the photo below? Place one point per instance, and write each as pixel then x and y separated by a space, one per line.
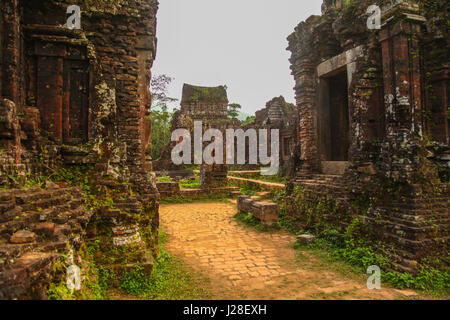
pixel 74 100
pixel 374 125
pixel 367 140
pixel 283 116
pixel 210 105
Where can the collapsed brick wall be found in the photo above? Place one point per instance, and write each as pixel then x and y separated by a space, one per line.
pixel 390 115
pixel 282 116
pixel 36 227
pixel 204 102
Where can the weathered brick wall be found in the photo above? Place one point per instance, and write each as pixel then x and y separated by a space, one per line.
pixel 112 53
pixel 36 228
pixel 204 102
pixel 283 116
pixel 71 98
pixel 396 108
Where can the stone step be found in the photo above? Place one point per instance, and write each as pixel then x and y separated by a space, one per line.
pixel 24 271
pixel 7 206
pixel 47 203
pixel 10 252
pixel 319 176
pixel 134 207
pixel 264 211
pixel 334 167
pixel 10 214
pixel 6 196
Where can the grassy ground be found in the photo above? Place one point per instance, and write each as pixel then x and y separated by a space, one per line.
pixel 172 280
pixel 352 261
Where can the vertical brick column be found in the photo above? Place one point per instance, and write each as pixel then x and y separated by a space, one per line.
pixel 402 89
pixel 304 74
pixel 401 68
pixel 11 41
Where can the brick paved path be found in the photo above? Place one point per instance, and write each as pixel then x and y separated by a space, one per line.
pixel 252 264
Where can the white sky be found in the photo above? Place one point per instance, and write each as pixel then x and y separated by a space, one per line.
pixel 238 43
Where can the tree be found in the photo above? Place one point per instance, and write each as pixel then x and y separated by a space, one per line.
pixel 250 119
pixel 161 116
pixel 233 110
pixel 159 88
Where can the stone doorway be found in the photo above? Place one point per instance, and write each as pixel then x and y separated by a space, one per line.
pixel 333 117
pixel 76 102
pixel 62 90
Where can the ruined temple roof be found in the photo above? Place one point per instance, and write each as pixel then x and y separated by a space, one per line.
pixel 210 94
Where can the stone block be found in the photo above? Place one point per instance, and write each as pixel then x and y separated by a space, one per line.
pixel 47 228
pixel 266 212
pixel 23 236
pixel 306 239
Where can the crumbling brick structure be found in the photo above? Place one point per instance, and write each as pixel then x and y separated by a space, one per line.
pixel 204 102
pixel 208 105
pixel 373 123
pixel 76 98
pixel 278 114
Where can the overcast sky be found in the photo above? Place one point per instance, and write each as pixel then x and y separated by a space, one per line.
pixel 238 43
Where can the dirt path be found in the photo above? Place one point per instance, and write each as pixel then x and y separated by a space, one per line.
pixel 246 264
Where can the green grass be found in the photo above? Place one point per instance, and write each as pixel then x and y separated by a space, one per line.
pixel 248 220
pixel 256 176
pixel 181 200
pixel 172 280
pixel 190 184
pixel 164 179
pixel 356 256
pixel 248 192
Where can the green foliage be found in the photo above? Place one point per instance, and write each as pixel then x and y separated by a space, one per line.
pixel 256 176
pixel 164 179
pixel 355 249
pixel 249 120
pixel 76 176
pixel 161 117
pixel 96 282
pixel 233 110
pixel 161 130
pixel 190 183
pixel 216 94
pixel 207 199
pixel 137 281
pixel 247 191
pixel 170 281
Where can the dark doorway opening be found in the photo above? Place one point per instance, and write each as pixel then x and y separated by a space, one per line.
pixel 333 117
pixel 76 106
